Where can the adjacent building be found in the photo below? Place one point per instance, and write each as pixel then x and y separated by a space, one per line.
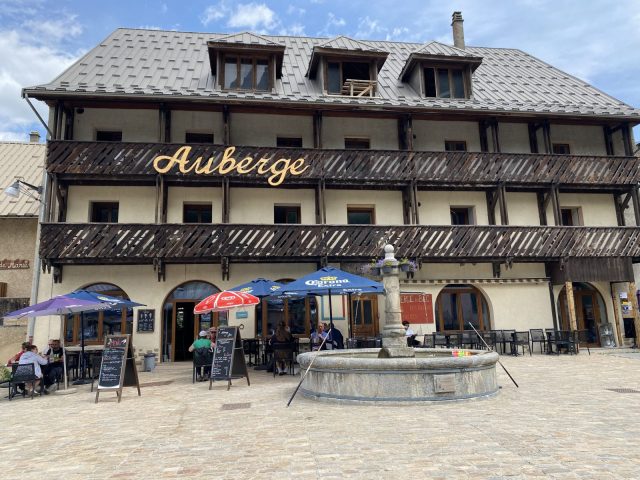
pixel 181 164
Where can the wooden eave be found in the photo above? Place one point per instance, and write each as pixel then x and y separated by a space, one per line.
pixel 245 49
pixel 355 55
pixel 417 58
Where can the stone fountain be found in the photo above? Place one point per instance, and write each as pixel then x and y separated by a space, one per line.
pixel 397 373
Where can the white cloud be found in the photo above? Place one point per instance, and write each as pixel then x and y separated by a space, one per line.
pixel 368 27
pixel 8 136
pixel 53 30
pixel 255 16
pixel 214 13
pixel 293 10
pixel 296 30
pixel 335 21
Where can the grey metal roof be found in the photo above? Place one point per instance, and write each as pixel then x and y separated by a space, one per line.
pixel 437 48
pixel 26 161
pixel 136 63
pixel 346 43
pixel 246 38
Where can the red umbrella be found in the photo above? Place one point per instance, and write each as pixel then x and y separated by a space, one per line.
pixel 222 301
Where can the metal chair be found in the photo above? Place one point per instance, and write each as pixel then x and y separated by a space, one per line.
pixel 23 374
pixel 581 337
pixel 284 352
pixel 428 341
pixel 468 339
pixel 498 336
pixel 96 364
pixel 455 340
pixel 440 340
pixel 551 339
pixel 250 347
pixel 507 338
pixel 537 336
pixel 563 339
pixel 520 339
pixel 489 338
pixel 202 360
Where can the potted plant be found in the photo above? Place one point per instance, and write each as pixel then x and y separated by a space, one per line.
pixel 373 268
pixel 387 266
pixel 407 265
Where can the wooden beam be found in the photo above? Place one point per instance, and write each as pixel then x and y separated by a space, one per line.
pixel 63 194
pixel 636 313
pixel 482 131
pixel 492 198
pixel 554 312
pixel 166 121
pixel 543 200
pixel 53 196
pixel 226 119
pixel 608 140
pixel 546 135
pixel 406 205
pixel 69 115
pixel 158 198
pixel 164 195
pixel 533 138
pixel 615 299
pixel 317 129
pixel 571 306
pixel 626 139
pixel 636 204
pixel 226 201
pixel 619 207
pixel 416 207
pixel 555 206
pixel 318 202
pixel 502 200
pixel 495 137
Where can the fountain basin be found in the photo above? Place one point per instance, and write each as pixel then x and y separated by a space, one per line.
pixel 359 376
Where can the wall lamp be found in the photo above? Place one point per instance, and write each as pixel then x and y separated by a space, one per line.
pixel 20 186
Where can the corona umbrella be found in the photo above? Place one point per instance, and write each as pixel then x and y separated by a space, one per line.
pixel 226 300
pixel 260 287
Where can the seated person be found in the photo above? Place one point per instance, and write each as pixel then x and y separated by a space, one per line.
pixel 213 332
pixel 410 334
pixel 336 338
pixel 202 342
pixel 16 357
pixel 282 336
pixel 54 370
pixel 32 356
pixel 317 337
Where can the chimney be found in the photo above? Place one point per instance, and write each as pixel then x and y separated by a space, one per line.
pixel 34 137
pixel 458 30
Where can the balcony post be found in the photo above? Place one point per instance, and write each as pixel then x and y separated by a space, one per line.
pixel 62 193
pixel 533 137
pixel 555 205
pixel 502 200
pixel 317 129
pixel 636 313
pixel 608 140
pixel 226 120
pixel 484 141
pixel 495 137
pixel 626 139
pixel 619 206
pixel 492 198
pixel 635 196
pixel 226 200
pixel 546 134
pixel 571 306
pixel 543 201
pixel 164 124
pixel 69 115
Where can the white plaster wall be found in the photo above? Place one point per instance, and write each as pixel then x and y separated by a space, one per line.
pixel 382 133
pixel 178 196
pixel 262 130
pixel 597 209
pixel 434 206
pixel 522 208
pixel 514 137
pixel 196 122
pixel 136 125
pixel 136 204
pixel 255 205
pixel 431 135
pixel 582 139
pixel 387 205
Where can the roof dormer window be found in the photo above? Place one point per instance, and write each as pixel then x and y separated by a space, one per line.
pixel 444 82
pixel 244 73
pixel 349 78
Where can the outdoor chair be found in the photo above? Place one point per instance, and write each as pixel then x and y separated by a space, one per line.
pixel 507 338
pixel 73 364
pixel 455 340
pixel 537 336
pixel 251 348
pixel 23 374
pixel 563 339
pixel 489 338
pixel 427 341
pixel 202 360
pixel 439 340
pixel 96 363
pixel 498 336
pixel 580 337
pixel 520 339
pixel 284 352
pixel 468 339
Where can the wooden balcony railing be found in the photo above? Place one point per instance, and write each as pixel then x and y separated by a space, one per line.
pixel 71 160
pixel 93 243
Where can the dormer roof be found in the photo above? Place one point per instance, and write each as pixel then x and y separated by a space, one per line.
pixel 436 51
pixel 245 42
pixel 345 46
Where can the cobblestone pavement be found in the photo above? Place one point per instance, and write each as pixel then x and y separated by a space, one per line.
pixel 563 422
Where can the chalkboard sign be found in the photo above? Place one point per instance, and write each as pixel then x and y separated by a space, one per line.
pixel 606 335
pixel 146 320
pixel 118 368
pixel 228 357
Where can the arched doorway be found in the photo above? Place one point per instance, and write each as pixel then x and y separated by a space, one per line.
pixel 180 326
pixel 298 313
pixel 458 305
pixel 590 310
pixel 97 324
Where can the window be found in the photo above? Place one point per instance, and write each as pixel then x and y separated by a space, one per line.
pixel 196 213
pixel 561 148
pixel 104 212
pixel 361 216
pixel 108 136
pixel 455 146
pixel 571 216
pixel 457 306
pixel 291 142
pixel 286 214
pixel 444 83
pixel 245 73
pixel 192 137
pixel 357 143
pixel 462 216
pixel 339 74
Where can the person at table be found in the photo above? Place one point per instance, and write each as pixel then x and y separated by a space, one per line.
pixel 410 334
pixel 337 339
pixel 282 336
pixel 318 336
pixel 16 357
pixel 213 332
pixel 53 371
pixel 32 356
pixel 202 342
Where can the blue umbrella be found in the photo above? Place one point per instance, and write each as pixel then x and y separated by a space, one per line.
pixel 260 287
pixel 331 280
pixel 100 302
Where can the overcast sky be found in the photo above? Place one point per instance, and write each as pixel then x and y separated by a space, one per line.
pixel 595 40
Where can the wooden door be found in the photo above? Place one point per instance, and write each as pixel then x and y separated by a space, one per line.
pixel 588 315
pixel 364 316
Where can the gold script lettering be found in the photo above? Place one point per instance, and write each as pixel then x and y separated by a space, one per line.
pixel 277 170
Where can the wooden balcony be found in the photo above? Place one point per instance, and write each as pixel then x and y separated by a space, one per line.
pixel 63 243
pixel 133 162
pixel 359 88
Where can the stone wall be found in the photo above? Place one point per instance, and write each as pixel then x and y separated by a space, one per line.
pixel 11 336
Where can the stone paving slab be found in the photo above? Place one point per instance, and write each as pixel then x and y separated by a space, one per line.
pixel 562 423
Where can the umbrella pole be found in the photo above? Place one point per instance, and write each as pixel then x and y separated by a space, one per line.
pixel 64 354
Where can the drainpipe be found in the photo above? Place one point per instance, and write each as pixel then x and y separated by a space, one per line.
pixel 35 284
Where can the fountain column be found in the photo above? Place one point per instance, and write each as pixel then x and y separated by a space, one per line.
pixel 394 340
